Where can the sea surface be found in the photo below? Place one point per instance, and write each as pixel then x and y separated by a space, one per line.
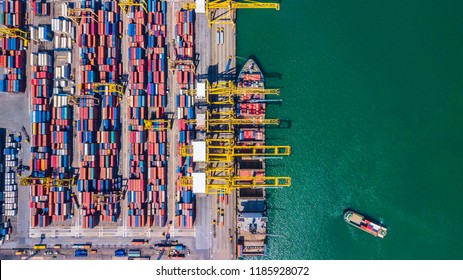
pixel 373 95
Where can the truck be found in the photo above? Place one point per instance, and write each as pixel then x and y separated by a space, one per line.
pixel 120 253
pixel 81 253
pixel 134 253
pixel 82 246
pixel 139 241
pixel 40 247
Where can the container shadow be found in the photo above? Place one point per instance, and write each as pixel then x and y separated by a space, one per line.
pixel 284 124
pixel 213 73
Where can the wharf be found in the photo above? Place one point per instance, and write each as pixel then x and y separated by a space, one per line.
pixel 212 61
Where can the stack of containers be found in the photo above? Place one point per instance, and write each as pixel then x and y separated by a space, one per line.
pixel 137 185
pixel 13 59
pixel 40 8
pixel 10 192
pixel 12 50
pixel 184 43
pixel 185 199
pixel 87 124
pixel 99 182
pixel 61 153
pixel 5 230
pixel 157 101
pixel 42 199
pixel 12 13
pixel 109 138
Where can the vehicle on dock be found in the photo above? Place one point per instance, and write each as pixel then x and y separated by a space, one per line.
pixel 40 247
pixel 120 253
pixel 134 253
pixel 355 219
pixel 81 253
pixel 139 241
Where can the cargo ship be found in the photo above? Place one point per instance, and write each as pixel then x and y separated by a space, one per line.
pixel 252 212
pixel 359 221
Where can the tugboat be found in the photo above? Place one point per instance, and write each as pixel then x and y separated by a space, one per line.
pixel 359 221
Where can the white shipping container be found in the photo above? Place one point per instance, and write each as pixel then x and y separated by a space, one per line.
pixel 64 10
pixel 34 59
pixel 33 32
pixel 54 24
pixel 60 100
pixel 69 58
pixel 11 206
pixel 57 72
pixel 11 188
pixel 11 213
pixel 56 42
pixel 9 194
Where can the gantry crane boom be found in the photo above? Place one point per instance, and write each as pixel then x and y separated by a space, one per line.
pixel 100 197
pixel 223 92
pixel 157 124
pixel 232 121
pixel 125 4
pixel 75 100
pixel 77 14
pixel 109 87
pixel 218 184
pixel 6 32
pixel 228 17
pixel 47 182
pixel 226 153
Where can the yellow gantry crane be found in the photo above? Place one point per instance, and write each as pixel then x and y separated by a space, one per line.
pixel 214 16
pixel 227 119
pixel 126 4
pixel 188 65
pixel 219 184
pixel 157 124
pixel 76 100
pixel 176 63
pixel 225 151
pixel 47 182
pixel 6 32
pixel 223 92
pixel 100 197
pixel 109 87
pixel 77 14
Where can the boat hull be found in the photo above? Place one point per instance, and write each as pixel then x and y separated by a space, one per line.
pixel 360 222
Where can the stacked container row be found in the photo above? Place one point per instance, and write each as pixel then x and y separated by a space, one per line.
pixel 41 201
pixel 98 125
pixel 9 193
pixel 13 59
pixel 12 48
pixel 40 8
pixel 184 42
pixel 12 13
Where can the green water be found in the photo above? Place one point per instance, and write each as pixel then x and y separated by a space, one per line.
pixel 373 90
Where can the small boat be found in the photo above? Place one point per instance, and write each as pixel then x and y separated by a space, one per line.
pixel 359 221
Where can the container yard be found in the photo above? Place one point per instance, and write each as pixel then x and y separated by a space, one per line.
pixel 133 139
